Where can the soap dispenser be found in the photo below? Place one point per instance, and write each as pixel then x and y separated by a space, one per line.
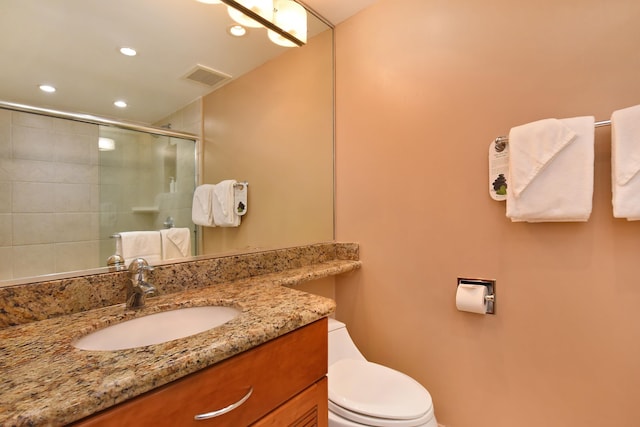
pixel 172 185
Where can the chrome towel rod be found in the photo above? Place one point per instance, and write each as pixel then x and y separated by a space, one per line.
pixel 505 139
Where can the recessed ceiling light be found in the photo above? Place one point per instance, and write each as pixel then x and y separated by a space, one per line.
pixel 128 51
pixel 237 30
pixel 47 88
pixel 120 104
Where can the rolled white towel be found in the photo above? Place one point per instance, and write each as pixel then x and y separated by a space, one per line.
pixel 224 213
pixel 202 208
pixel 551 170
pixel 625 163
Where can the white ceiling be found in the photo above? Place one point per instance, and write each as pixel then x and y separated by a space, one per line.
pixel 73 45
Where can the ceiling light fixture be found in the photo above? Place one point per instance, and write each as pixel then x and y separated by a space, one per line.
pixel 262 8
pixel 106 144
pixel 128 51
pixel 120 104
pixel 292 18
pixel 237 30
pixel 47 88
pixel 209 1
pixel 256 13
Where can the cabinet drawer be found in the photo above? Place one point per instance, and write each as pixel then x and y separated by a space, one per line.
pixel 275 372
pixel 308 409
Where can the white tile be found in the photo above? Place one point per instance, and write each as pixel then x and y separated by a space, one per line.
pixel 32 143
pixel 71 173
pixel 94 205
pixel 6 170
pixel 32 171
pixel 33 228
pixel 77 256
pixel 6 228
pixel 75 127
pixel 72 148
pixel 33 260
pixel 5 134
pixel 6 266
pixel 32 120
pixel 33 197
pixel 72 197
pixel 72 227
pixel 5 197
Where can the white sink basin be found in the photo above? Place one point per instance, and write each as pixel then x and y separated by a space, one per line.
pixel 157 328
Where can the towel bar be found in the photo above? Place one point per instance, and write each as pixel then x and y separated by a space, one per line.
pixel 501 141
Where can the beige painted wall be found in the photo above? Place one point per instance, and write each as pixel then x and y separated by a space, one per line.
pixel 423 87
pixel 263 129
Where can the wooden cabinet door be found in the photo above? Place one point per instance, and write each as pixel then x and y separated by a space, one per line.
pixel 275 371
pixel 307 409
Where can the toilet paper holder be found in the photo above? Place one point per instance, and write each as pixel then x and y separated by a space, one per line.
pixel 491 291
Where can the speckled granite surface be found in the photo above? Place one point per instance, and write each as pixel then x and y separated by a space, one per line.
pixel 47 381
pixel 37 301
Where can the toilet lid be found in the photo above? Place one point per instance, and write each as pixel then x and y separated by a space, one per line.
pixel 377 391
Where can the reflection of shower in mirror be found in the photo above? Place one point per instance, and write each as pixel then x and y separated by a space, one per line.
pixel 70 194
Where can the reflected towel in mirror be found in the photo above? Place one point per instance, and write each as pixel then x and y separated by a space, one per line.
pixel 143 244
pixel 176 243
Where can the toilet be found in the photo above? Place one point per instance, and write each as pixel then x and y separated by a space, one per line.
pixel 363 393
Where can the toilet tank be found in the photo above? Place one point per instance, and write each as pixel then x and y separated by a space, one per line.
pixel 340 344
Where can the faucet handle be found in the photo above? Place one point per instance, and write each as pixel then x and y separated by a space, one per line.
pixel 139 264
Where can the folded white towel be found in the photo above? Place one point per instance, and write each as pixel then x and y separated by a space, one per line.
pixel 551 170
pixel 224 213
pixel 176 243
pixel 143 244
pixel 202 208
pixel 625 163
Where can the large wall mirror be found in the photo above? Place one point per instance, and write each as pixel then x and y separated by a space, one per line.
pixel 259 112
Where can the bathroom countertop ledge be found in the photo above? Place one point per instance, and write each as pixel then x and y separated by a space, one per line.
pixel 47 381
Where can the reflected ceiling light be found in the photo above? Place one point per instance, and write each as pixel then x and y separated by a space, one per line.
pixel 47 88
pixel 237 30
pixel 292 18
pixel 264 8
pixel 128 51
pixel 106 144
pixel 209 1
pixel 120 104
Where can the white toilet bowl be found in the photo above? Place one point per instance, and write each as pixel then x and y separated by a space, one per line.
pixel 363 393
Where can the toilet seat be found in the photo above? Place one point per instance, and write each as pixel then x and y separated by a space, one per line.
pixel 376 395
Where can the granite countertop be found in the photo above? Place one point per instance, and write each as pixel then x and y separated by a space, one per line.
pixel 47 381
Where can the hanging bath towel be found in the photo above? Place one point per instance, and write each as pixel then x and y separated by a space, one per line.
pixel 625 163
pixel 224 212
pixel 202 208
pixel 551 170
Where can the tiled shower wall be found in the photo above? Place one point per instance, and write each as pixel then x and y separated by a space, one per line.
pixel 49 195
pixel 134 184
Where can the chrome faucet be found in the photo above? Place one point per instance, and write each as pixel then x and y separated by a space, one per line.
pixel 139 288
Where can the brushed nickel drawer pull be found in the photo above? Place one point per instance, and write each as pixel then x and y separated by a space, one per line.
pixel 224 410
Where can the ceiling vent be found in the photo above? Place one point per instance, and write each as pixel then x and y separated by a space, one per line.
pixel 207 76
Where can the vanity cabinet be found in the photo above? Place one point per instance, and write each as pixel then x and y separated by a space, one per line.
pixel 284 379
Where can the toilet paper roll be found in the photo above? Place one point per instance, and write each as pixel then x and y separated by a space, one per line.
pixel 471 298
